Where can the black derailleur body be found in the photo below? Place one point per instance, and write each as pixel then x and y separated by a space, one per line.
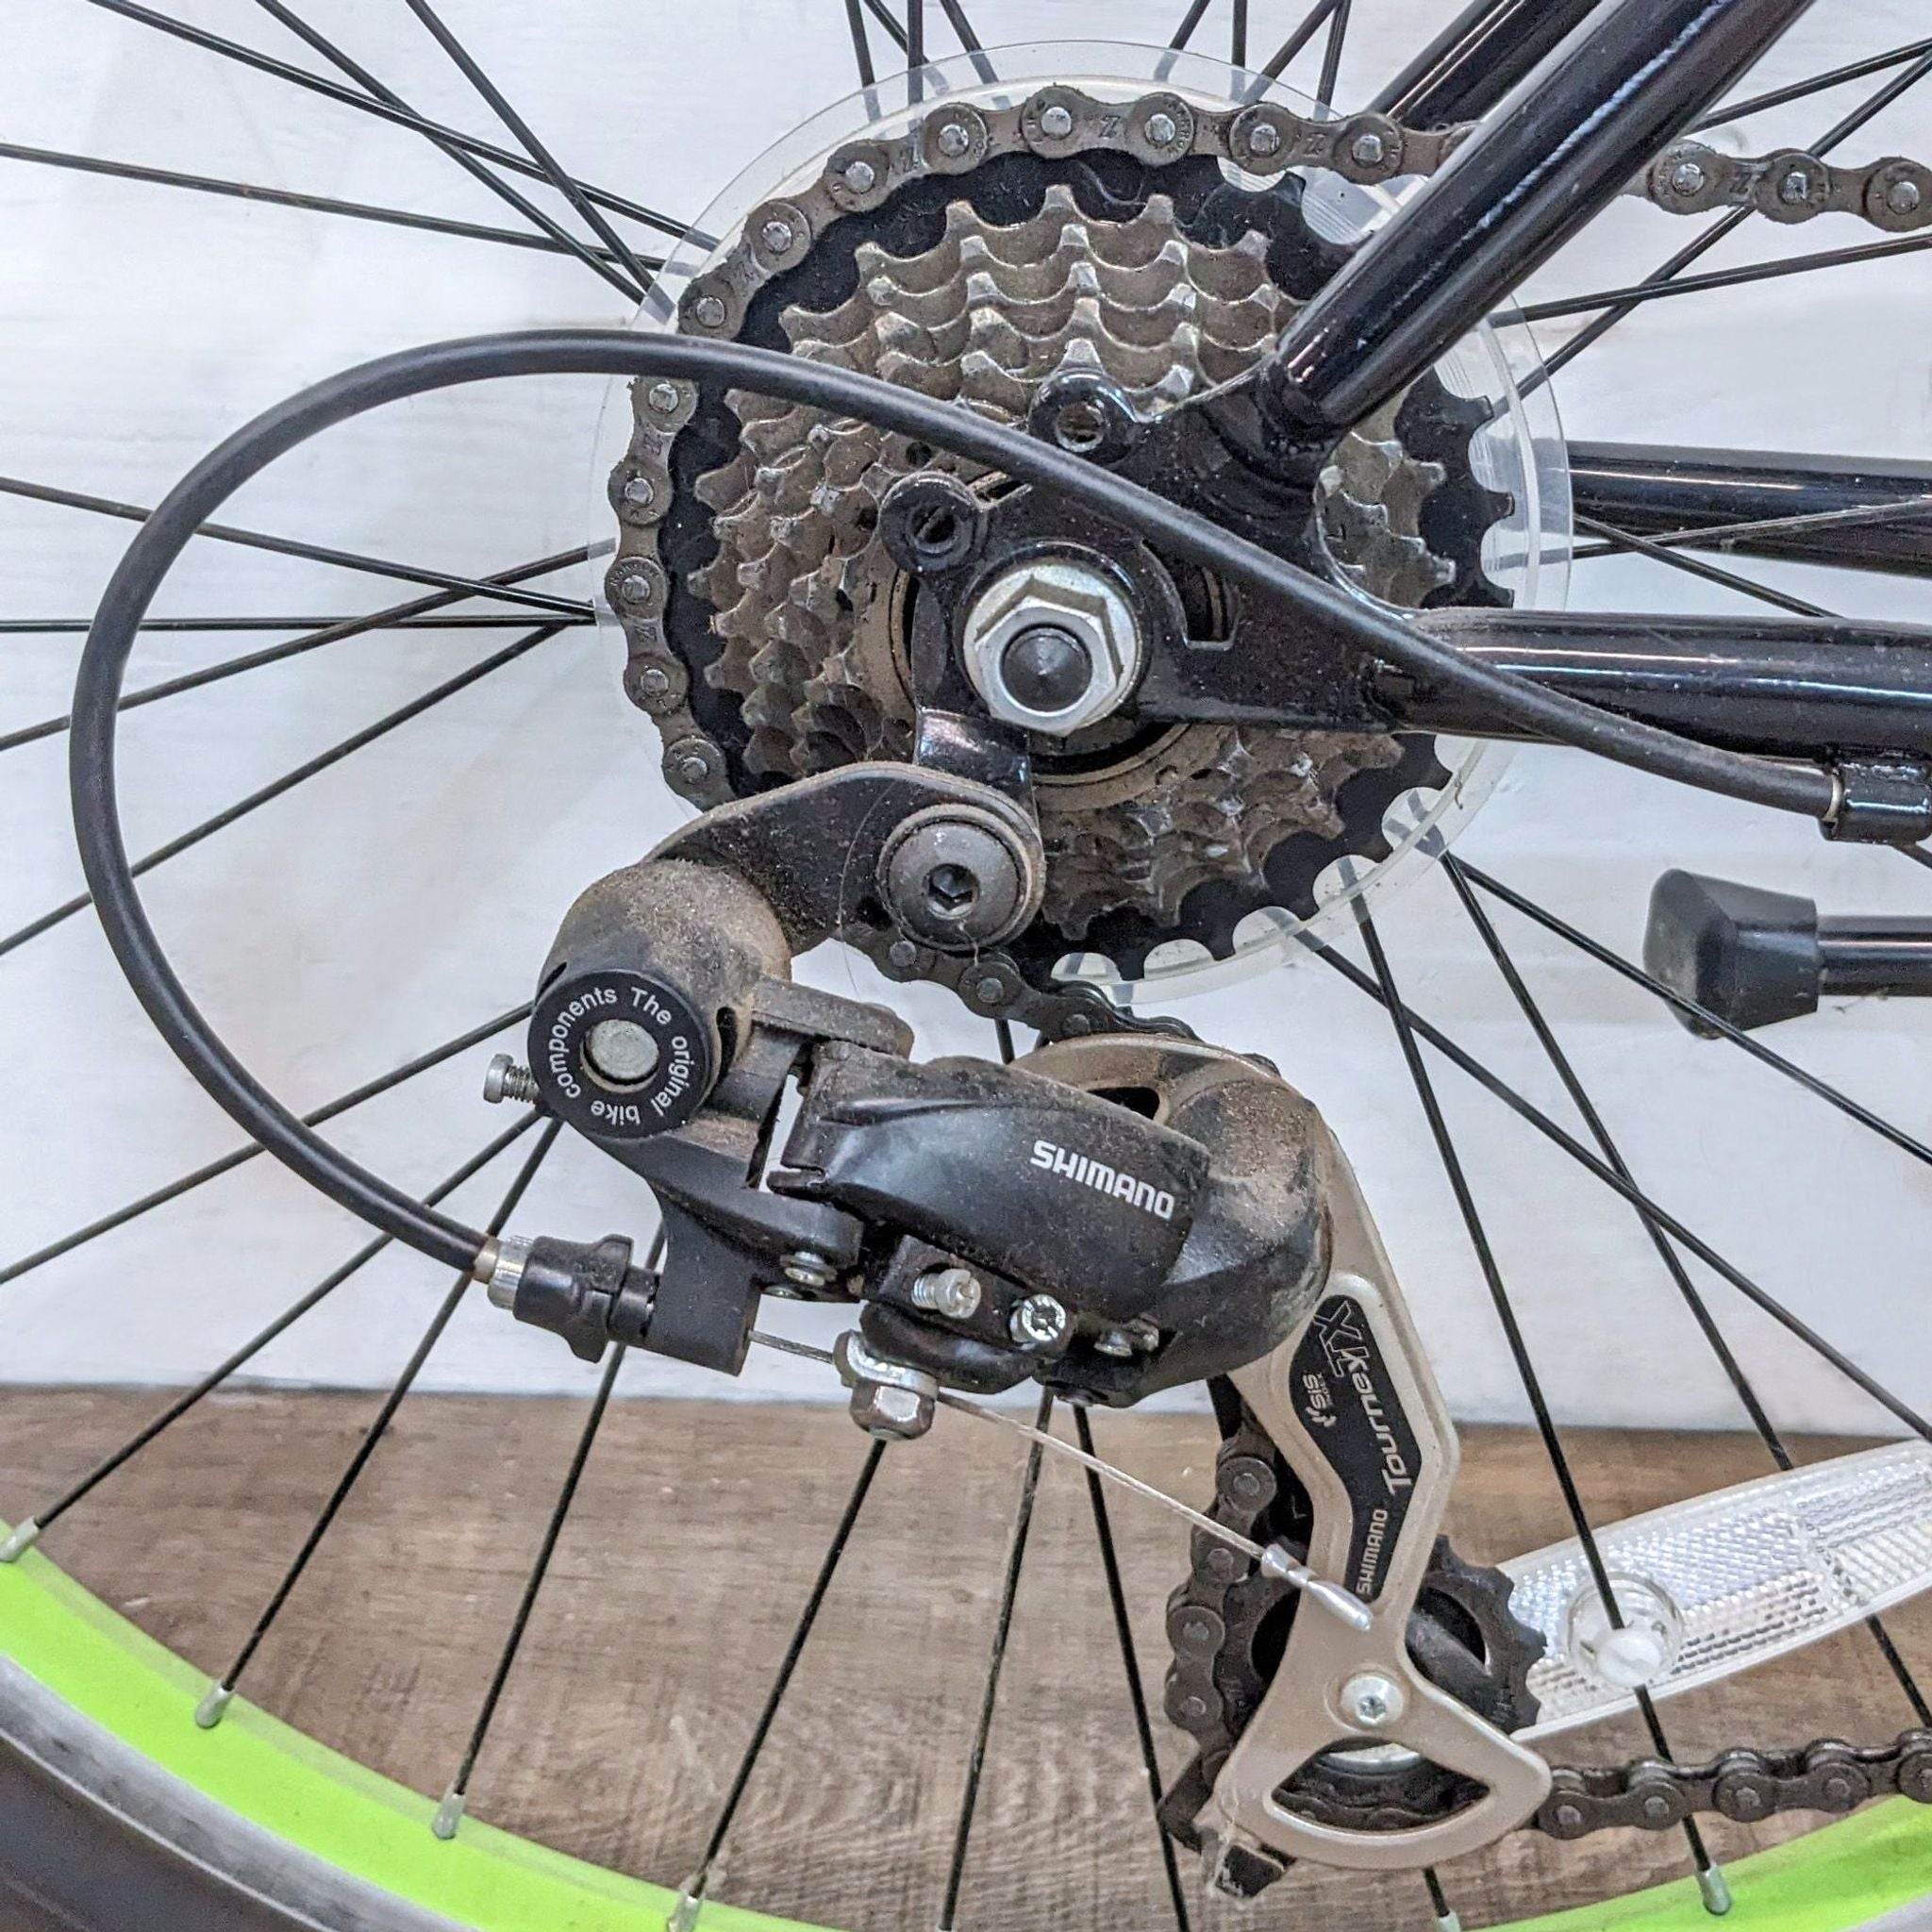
pixel 1110 1215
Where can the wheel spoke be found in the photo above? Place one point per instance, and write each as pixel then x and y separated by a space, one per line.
pixel 395 616
pixel 1238 34
pixel 1696 567
pixel 1858 70
pixel 29 1530
pixel 79 626
pixel 962 27
pixel 449 1812
pixel 1873 104
pixel 1446 1920
pixel 1693 1245
pixel 1636 293
pixel 1710 1880
pixel 469 163
pixel 289 780
pixel 1136 1695
pixel 896 32
pixel 209 1712
pixel 1331 56
pixel 1700 1310
pixel 365 104
pixel 1190 21
pixel 1756 1048
pixel 1312 23
pixel 1002 1629
pixel 915 49
pixel 565 184
pixel 1917 854
pixel 226 1163
pixel 861 47
pixel 499 589
pixel 1721 536
pixel 693 1895
pixel 317 204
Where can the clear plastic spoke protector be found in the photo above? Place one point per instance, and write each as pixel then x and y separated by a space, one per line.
pixel 1711 1586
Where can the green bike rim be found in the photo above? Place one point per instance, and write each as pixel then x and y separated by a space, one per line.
pixel 333 1810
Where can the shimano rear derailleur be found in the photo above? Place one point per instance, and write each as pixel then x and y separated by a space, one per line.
pixel 1118 1211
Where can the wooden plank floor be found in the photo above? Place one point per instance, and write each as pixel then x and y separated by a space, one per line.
pixel 694 1539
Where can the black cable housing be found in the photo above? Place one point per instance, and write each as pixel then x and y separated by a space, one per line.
pixel 613 352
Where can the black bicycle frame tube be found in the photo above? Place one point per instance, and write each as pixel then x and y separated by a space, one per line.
pixel 1563 145
pixel 1650 490
pixel 1789 688
pixel 1476 59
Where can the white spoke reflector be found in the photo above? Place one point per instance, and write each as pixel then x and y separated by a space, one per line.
pixel 1712 1585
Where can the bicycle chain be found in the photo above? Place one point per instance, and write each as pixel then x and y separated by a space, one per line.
pixel 1742 1785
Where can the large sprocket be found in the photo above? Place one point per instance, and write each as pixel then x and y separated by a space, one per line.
pixel 790 620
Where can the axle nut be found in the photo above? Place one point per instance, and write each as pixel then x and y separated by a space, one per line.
pixel 1052 645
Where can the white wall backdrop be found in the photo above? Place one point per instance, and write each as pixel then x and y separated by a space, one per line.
pixel 411 890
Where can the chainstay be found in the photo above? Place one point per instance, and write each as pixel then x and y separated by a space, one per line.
pixel 1744 1786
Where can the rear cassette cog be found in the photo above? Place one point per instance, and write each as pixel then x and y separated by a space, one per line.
pixel 787 621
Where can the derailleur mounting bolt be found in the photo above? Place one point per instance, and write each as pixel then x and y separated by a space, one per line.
pixel 809 1269
pixel 1371 1701
pixel 506 1080
pixel 954 1292
pixel 1039 1321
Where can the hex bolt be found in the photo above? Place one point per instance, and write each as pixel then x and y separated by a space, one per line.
pixel 953 139
pixel 622 1052
pixel 1370 149
pixel 1265 140
pixel 1688 177
pixel 954 1292
pixel 1371 1701
pixel 1795 188
pixel 809 1269
pixel 1161 130
pixel 861 177
pixel 890 1412
pixel 1056 121
pixel 664 397
pixel 708 311
pixel 1904 197
pixel 776 235
pixel 506 1080
pixel 1039 1321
